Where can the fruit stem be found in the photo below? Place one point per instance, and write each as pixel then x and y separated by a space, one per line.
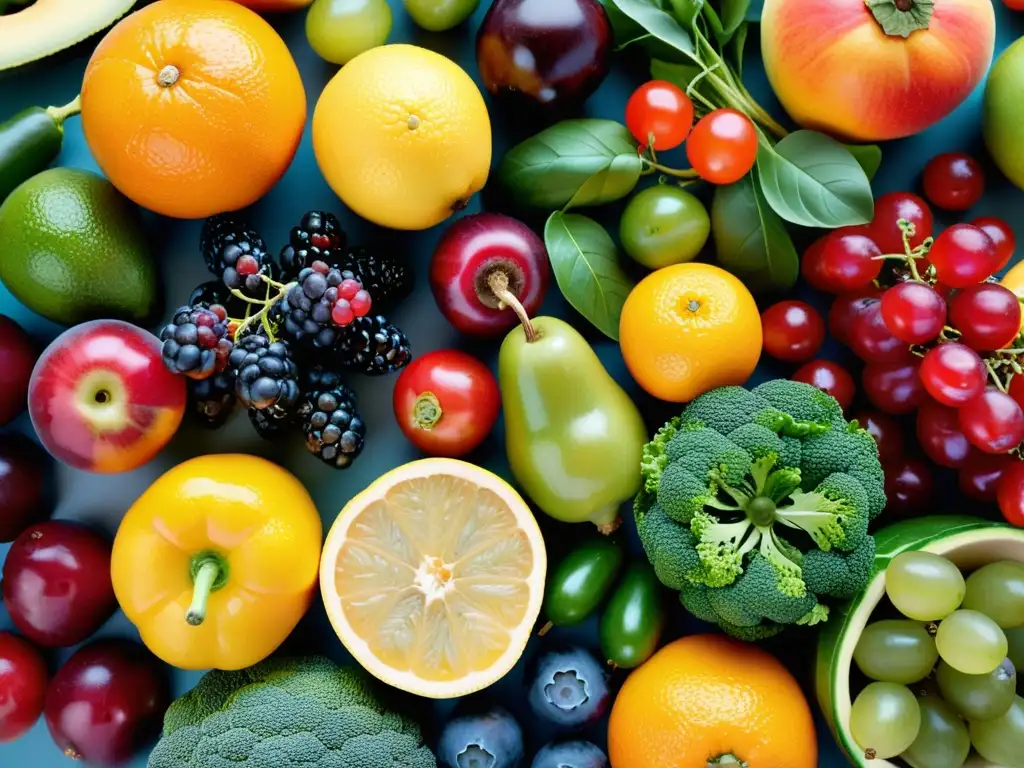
pixel 726 759
pixel 209 572
pixel 497 281
pixel 60 114
pixel 686 173
pixel 426 411
pixel 607 529
pixel 545 629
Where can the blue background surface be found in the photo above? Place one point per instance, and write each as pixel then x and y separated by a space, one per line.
pixel 102 500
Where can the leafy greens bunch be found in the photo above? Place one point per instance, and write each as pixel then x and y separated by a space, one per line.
pixel 805 178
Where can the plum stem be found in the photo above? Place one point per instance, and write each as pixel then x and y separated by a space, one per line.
pixel 202 587
pixel 497 281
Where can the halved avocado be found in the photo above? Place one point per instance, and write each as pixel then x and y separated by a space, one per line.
pixel 970 542
pixel 48 26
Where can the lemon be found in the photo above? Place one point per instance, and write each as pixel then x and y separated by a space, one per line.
pixel 433 577
pixel 402 136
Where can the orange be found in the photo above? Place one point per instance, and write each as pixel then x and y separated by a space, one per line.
pixel 689 328
pixel 193 107
pixel 706 697
pixel 274 6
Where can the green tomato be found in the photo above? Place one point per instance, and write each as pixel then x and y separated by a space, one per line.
pixel 339 30
pixel 664 225
pixel 439 15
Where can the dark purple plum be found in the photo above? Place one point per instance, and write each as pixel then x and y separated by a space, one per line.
pixel 492 739
pixel 570 754
pixel 569 688
pixel 545 52
pixel 24 468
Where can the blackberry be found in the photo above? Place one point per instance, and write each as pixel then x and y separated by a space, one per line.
pixel 235 253
pixel 215 292
pixel 266 373
pixel 334 429
pixel 386 281
pixel 271 423
pixel 319 237
pixel 373 346
pixel 317 378
pixel 195 342
pixel 319 303
pixel 212 399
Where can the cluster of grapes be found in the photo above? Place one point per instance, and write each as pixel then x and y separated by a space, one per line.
pixel 957 644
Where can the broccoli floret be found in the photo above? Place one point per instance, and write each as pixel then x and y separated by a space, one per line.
pixel 724 409
pixel 872 479
pixel 802 401
pixel 696 598
pixel 654 458
pixel 671 548
pixel 791 451
pixel 759 595
pixel 682 494
pixel 839 574
pixel 759 442
pixel 835 514
pixel 721 547
pixel 838 450
pixel 701 451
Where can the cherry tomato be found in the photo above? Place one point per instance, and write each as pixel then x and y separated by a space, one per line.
pixel 963 255
pixel 849 260
pixel 723 146
pixel 829 377
pixel 793 331
pixel 993 421
pixel 1014 5
pixel 908 486
pixel 940 436
pixel 1010 494
pixel 953 374
pixel 894 388
pixel 979 477
pixel 886 431
pixel 446 402
pixel 810 265
pixel 913 312
pixel 660 110
pixel 953 181
pixel 892 207
pixel 987 316
pixel 846 308
pixel 1001 234
pixel 22 686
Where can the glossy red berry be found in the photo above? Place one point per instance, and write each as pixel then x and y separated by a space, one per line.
pixel 872 341
pixel 320 266
pixel 793 331
pixel 849 260
pixel 940 436
pixel 361 304
pixel 953 181
pixel 342 313
pixel 846 308
pixel 894 388
pixel 987 315
pixel 661 110
pixel 963 255
pixel 810 264
pixel 1002 236
pixel 349 288
pixel 953 374
pixel 722 147
pixel 247 265
pixel 993 421
pixel 892 207
pixel 913 312
pixel 886 432
pixel 828 377
pixel 979 477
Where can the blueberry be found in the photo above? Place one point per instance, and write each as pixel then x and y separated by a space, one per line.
pixel 569 688
pixel 570 754
pixel 489 740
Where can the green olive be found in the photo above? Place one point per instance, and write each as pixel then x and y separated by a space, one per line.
pixel 581 581
pixel 631 624
pixel 664 225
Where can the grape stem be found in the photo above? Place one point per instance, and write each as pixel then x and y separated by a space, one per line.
pixel 263 315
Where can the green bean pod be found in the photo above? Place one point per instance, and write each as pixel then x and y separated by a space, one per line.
pixel 29 142
pixel 631 624
pixel 581 581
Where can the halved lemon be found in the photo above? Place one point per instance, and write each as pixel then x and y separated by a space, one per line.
pixel 433 577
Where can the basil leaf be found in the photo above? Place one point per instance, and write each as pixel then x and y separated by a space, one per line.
pixel 813 180
pixel 715 23
pixel 678 74
pixel 586 266
pixel 687 11
pixel 739 42
pixel 751 240
pixel 733 13
pixel 555 167
pixel 659 23
pixel 868 155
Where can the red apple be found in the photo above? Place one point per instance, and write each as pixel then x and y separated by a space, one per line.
pixel 471 252
pixel 22 686
pixel 56 583
pixel 23 471
pixel 106 702
pixel 17 356
pixel 101 398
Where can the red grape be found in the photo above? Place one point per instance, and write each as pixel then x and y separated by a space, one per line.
pixel 886 431
pixel 872 341
pixel 1002 236
pixel 1010 493
pixel 979 477
pixel 793 331
pixel 953 181
pixel 953 374
pixel 848 260
pixel 963 255
pixel 908 486
pixel 987 316
pixel 940 436
pixel 828 377
pixel 810 265
pixel 894 388
pixel 1016 389
pixel 845 309
pixel 892 207
pixel 993 421
pixel 913 312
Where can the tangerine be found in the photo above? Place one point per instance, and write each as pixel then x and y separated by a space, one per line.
pixel 708 700
pixel 689 328
pixel 193 107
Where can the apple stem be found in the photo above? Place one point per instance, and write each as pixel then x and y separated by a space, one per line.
pixel 497 281
pixel 203 585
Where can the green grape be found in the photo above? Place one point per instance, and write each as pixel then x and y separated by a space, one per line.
pixel 978 697
pixel 924 586
pixel 439 15
pixel 884 719
pixel 1001 741
pixel 339 30
pixel 997 590
pixel 943 741
pixel 896 651
pixel 971 642
pixel 1015 639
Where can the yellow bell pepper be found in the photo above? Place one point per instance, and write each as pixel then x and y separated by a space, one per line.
pixel 217 561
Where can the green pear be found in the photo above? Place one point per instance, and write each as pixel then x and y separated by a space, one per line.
pixel 1003 113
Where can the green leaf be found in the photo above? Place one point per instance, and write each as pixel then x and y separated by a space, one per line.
pixel 586 266
pixel 687 11
pixel 733 13
pixel 751 240
pixel 735 51
pixel 754 9
pixel 813 180
pixel 558 166
pixel 678 74
pixel 658 22
pixel 868 155
pixel 899 19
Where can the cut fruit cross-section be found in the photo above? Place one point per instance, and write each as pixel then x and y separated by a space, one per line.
pixel 433 577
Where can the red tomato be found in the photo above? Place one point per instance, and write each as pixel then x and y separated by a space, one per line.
pixel 1011 494
pixel 22 686
pixel 446 402
pixel 793 331
pixel 660 113
pixel 722 147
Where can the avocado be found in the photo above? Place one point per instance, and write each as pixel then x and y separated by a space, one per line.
pixel 48 26
pixel 74 249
